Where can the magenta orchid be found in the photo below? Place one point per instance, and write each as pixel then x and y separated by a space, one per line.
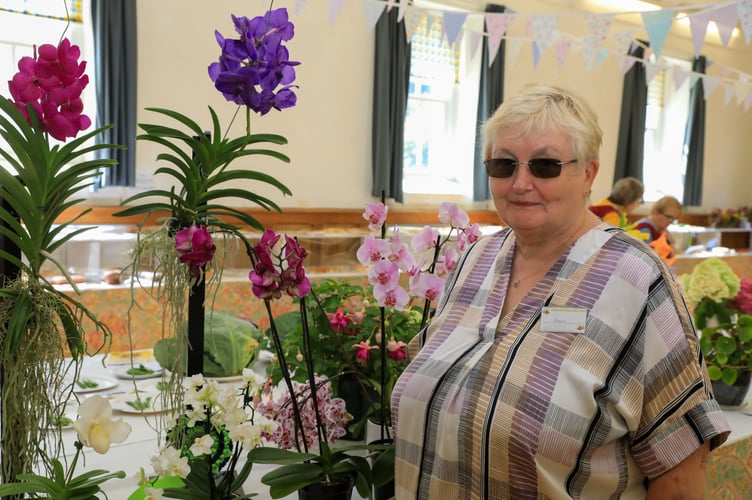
pixel 51 83
pixel 375 214
pixel 196 248
pixel 270 280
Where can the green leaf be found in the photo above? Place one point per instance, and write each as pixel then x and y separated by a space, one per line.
pixel 729 375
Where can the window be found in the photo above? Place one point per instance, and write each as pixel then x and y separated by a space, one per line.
pixel 439 140
pixel 665 159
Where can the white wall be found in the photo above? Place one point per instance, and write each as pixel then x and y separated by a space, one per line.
pixel 329 130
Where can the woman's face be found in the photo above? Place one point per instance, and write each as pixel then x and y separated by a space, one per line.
pixel 538 206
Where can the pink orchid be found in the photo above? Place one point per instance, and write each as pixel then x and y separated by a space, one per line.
pixel 452 214
pixel 395 297
pixel 375 214
pixel 384 274
pixel 400 253
pixel 425 240
pixel 363 353
pixel 427 286
pixel 372 250
pixel 446 262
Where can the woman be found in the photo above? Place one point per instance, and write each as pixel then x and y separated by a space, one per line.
pixel 626 196
pixel 665 212
pixel 561 361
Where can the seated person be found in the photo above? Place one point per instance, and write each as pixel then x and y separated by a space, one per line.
pixel 626 195
pixel 665 212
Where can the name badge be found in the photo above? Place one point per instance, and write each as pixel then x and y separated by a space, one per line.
pixel 563 319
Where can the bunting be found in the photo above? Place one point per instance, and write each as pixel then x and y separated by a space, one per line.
pixel 541 32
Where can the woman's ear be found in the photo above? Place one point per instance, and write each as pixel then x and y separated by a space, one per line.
pixel 591 170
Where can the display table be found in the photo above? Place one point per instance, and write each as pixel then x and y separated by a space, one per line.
pixel 729 473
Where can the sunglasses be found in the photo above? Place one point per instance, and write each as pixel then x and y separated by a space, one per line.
pixel 543 168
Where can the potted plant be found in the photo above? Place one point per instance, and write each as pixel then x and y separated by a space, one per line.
pixel 309 419
pixel 722 306
pixel 255 73
pixel 43 177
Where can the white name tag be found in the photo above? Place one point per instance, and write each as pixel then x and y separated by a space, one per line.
pixel 563 319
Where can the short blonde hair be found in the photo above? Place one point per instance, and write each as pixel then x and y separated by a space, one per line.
pixel 548 107
pixel 669 202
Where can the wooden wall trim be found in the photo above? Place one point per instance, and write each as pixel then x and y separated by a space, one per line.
pixel 290 217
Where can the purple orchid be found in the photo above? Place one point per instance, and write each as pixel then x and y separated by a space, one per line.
pixel 253 66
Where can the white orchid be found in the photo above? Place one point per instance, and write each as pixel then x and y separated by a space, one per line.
pixel 95 426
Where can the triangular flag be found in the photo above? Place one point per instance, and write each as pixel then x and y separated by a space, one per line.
pixel 650 71
pixel 728 93
pixel 496 26
pixel 543 29
pixel 725 19
pixel 709 84
pixel 453 22
pixel 598 26
pixel 562 50
pixel 698 26
pixel 299 4
pixel 403 6
pixel 680 76
pixel 747 101
pixel 740 92
pixel 475 39
pixel 513 52
pixel 657 23
pixel 536 54
pixel 623 42
pixel 626 64
pixel 413 18
pixel 744 9
pixel 603 54
pixel 334 7
pixel 372 11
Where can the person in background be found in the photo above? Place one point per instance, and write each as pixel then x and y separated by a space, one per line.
pixel 562 361
pixel 665 212
pixel 626 195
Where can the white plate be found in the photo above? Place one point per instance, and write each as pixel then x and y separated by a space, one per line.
pixel 120 403
pixel 102 384
pixel 122 371
pixel 233 378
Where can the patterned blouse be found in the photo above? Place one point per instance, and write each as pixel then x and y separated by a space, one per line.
pixel 509 407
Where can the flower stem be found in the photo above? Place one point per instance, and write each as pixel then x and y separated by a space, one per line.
pixel 286 375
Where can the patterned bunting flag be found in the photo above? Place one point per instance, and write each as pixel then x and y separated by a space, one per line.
pixel 744 9
pixel 496 26
pixel 543 28
pixel 563 45
pixel 658 23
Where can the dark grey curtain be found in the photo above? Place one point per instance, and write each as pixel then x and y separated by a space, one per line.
pixel 390 88
pixel 114 26
pixel 490 97
pixel 694 139
pixel 630 147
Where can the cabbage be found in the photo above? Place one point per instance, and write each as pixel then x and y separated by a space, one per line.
pixel 230 344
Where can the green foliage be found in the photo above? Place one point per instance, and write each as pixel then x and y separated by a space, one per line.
pixel 333 353
pixel 727 347
pixel 61 487
pixel 199 165
pixel 47 180
pixel 297 470
pixel 230 344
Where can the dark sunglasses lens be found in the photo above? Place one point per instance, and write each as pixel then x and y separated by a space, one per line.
pixel 545 168
pixel 501 168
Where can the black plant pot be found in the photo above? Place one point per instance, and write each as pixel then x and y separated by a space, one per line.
pixel 328 491
pixel 733 395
